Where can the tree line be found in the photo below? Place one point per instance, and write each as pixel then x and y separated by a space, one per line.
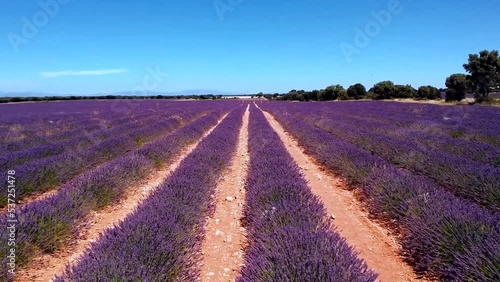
pixel 482 79
pixel 382 90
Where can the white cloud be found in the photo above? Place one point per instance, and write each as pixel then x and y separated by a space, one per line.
pixel 79 73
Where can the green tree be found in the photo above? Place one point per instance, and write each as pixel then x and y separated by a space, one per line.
pixel 292 95
pixel 339 90
pixel 330 93
pixel 356 91
pixel 313 95
pixel 484 73
pixel 428 92
pixel 326 94
pixel 384 90
pixel 404 91
pixel 457 86
pixel 343 95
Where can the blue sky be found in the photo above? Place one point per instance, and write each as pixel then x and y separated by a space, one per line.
pixel 244 46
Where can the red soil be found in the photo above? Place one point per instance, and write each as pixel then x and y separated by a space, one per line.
pixel 375 244
pixel 222 247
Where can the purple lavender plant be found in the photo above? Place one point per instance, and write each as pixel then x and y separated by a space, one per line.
pixel 161 240
pixel 288 234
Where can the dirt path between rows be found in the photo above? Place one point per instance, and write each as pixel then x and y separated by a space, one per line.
pixel 44 268
pixel 222 247
pixel 374 243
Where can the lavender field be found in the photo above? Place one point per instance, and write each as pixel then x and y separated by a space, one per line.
pixel 123 190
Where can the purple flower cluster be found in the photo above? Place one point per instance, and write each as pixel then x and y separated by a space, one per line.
pixel 47 224
pixel 428 134
pixel 47 173
pixel 466 178
pixel 87 135
pixel 411 114
pixel 161 240
pixel 442 235
pixel 24 126
pixel 32 132
pixel 289 235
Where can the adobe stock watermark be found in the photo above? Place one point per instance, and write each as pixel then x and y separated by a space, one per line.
pixel 363 37
pixel 11 222
pixel 223 6
pixel 31 26
pixel 150 82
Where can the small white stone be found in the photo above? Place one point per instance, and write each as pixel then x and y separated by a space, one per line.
pixel 217 220
pixel 210 274
pixel 229 198
pixel 332 216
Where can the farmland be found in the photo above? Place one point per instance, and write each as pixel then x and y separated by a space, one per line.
pixel 157 190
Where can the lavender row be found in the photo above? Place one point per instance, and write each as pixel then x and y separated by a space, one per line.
pixel 443 236
pixel 289 235
pixel 448 117
pixel 45 132
pixel 13 113
pixel 466 178
pixel 35 130
pixel 470 122
pixel 37 127
pixel 473 150
pixel 161 240
pixel 48 173
pixel 46 225
pixel 82 138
